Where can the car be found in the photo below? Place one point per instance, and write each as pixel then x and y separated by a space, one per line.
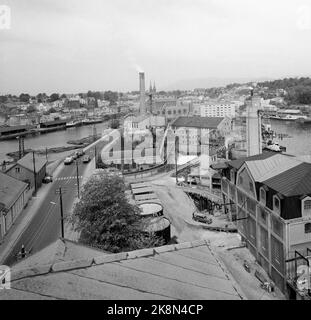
pixel 68 160
pixel 86 159
pixel 75 156
pixel 80 153
pixel 47 179
pixel 199 217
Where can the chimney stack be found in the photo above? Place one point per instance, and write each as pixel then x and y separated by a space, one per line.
pixel 142 107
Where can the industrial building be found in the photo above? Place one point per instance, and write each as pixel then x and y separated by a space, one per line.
pixel 269 197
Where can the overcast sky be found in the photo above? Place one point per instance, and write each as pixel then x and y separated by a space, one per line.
pixel 77 45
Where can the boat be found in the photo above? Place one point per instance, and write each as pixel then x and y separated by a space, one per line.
pixel 92 121
pixel 72 124
pixel 289 115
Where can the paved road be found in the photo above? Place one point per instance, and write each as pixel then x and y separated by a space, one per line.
pixel 45 227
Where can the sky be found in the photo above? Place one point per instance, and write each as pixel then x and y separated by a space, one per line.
pixel 71 46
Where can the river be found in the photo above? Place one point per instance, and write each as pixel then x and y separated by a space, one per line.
pixel 298 141
pixel 50 140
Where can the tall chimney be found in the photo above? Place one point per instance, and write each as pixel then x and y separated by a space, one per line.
pixel 142 106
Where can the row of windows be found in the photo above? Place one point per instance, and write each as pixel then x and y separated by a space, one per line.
pixel 169 112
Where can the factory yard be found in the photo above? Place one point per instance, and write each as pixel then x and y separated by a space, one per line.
pixel 178 208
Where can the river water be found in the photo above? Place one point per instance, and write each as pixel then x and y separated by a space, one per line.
pixel 50 140
pixel 298 141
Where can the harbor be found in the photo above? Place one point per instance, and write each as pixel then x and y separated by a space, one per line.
pixel 60 141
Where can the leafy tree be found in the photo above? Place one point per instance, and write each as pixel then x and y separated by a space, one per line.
pixel 24 97
pixel 3 99
pixel 63 96
pixel 112 97
pixel 31 109
pixel 54 97
pixel 107 220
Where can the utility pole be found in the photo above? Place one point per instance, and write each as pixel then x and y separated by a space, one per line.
pixel 60 192
pixel 34 170
pixel 46 153
pixel 78 183
pixel 95 157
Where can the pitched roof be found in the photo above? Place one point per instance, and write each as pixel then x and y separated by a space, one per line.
pixel 10 189
pixel 267 168
pixel 183 271
pixel 197 122
pixel 237 164
pixel 27 162
pixel 293 182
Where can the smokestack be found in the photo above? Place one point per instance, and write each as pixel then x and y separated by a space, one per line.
pixel 142 107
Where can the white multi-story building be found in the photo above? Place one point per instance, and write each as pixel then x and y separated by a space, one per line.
pixel 218 110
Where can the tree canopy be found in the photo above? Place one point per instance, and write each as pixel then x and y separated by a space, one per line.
pixel 107 220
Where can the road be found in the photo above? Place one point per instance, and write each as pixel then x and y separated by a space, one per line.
pixel 45 227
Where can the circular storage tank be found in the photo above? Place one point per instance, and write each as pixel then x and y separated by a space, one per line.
pixel 151 209
pixel 160 226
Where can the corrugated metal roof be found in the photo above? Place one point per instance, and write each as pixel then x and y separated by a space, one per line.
pixel 197 122
pixel 266 168
pixel 293 182
pixel 239 162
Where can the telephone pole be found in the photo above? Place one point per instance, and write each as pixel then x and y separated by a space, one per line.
pixel 60 192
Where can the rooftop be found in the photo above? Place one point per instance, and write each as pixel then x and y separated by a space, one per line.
pixel 293 182
pixel 27 162
pixel 10 189
pixel 237 164
pixel 267 168
pixel 197 122
pixel 183 271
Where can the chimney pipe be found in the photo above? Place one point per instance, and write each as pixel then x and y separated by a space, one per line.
pixel 142 107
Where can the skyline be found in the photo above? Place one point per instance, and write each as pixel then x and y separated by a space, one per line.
pixel 76 46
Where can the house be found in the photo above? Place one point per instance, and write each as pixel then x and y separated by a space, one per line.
pixel 67 270
pixel 23 170
pixel 14 196
pixel 269 197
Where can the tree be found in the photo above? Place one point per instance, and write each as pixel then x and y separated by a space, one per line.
pixel 63 96
pixel 3 99
pixel 24 97
pixel 54 97
pixel 112 97
pixel 31 109
pixel 107 220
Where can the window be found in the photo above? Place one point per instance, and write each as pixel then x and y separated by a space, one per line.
pixel 276 203
pixel 263 196
pixel 307 205
pixel 17 170
pixel 308 228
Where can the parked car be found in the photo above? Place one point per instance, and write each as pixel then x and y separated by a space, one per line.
pixel 199 217
pixel 68 160
pixel 80 153
pixel 75 156
pixel 86 159
pixel 47 179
